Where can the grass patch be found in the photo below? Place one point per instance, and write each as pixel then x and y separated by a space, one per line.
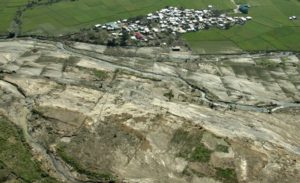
pixel 266 63
pixel 200 153
pixel 222 148
pixel 190 146
pixel 226 175
pixel 8 10
pixel 100 74
pixel 15 155
pixel 269 30
pixel 78 167
pixel 181 136
pixel 4 172
pixel 126 72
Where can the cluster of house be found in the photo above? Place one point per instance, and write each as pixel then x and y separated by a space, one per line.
pixel 173 20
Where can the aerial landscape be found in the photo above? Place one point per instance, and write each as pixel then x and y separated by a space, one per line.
pixel 152 91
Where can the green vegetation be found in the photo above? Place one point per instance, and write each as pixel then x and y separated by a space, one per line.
pixel 226 175
pixel 100 74
pixel 181 136
pixel 126 72
pixel 267 63
pixel 169 95
pixel 8 10
pixel 78 167
pixel 15 156
pixel 190 146
pixel 200 153
pixel 69 16
pixel 4 172
pixel 222 148
pixel 270 29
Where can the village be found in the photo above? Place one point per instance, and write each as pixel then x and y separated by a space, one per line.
pixel 171 20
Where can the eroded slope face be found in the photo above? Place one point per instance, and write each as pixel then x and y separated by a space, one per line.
pixel 94 117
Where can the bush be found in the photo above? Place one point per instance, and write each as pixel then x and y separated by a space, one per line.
pixel 226 175
pixel 200 153
pixel 100 74
pixel 169 95
pixel 222 148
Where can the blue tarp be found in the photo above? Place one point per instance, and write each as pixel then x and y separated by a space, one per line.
pixel 244 8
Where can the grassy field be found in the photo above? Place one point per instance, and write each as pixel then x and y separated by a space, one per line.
pixel 8 10
pixel 270 28
pixel 69 16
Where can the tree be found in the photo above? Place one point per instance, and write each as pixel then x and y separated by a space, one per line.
pixel 124 38
pixel 227 25
pixel 111 42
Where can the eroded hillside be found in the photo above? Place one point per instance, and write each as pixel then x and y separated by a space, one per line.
pixel 97 114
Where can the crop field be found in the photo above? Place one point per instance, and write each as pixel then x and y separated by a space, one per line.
pixel 270 28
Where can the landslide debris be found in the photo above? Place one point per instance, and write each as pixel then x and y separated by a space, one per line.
pixel 89 117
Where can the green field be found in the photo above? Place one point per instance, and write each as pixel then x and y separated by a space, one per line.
pixel 270 28
pixel 8 10
pixel 69 16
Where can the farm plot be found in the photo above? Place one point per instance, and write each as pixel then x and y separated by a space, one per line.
pixel 270 29
pixel 64 17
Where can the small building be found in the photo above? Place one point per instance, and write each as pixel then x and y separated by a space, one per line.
pixel 112 26
pixel 155 29
pixel 176 48
pixel 97 25
pixel 243 19
pixel 138 36
pixel 244 8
